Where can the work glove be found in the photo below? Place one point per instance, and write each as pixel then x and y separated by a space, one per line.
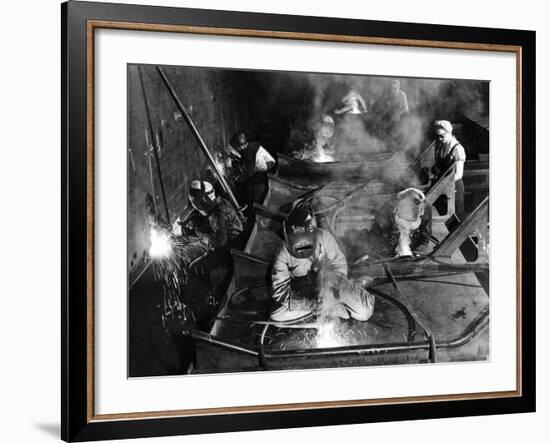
pixel 298 303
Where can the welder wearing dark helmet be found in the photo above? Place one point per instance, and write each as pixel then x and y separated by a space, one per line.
pixel 299 263
pixel 250 163
pixel 202 196
pixel 222 222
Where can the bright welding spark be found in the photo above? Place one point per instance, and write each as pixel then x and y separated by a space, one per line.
pixel 322 157
pixel 161 244
pixel 327 336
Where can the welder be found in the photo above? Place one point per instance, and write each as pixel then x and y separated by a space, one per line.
pixel 310 274
pixel 215 221
pixel 250 163
pixel 350 123
pixel 353 103
pixel 403 226
pixel 321 148
pixel 215 224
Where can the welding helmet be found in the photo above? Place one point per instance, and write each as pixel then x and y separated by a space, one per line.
pixel 202 196
pixel 410 205
pixel 239 140
pixel 300 230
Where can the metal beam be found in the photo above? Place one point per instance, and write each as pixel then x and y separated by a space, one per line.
pixel 466 228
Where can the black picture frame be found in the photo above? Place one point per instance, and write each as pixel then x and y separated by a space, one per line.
pixel 77 419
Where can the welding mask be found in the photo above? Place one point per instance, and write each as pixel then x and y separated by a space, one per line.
pixel 410 208
pixel 202 196
pixel 300 230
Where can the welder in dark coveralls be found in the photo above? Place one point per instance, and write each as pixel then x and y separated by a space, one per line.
pixel 402 226
pixel 215 222
pixel 310 273
pixel 250 163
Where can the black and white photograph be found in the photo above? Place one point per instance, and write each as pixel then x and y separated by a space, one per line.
pixel 259 222
pixel 293 220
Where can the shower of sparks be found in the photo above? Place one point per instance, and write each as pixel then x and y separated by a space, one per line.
pixel 161 244
pixel 172 258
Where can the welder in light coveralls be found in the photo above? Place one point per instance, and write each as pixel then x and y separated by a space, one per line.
pixel 402 227
pixel 310 273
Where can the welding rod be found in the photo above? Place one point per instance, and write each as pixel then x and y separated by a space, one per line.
pixel 403 300
pixel 197 135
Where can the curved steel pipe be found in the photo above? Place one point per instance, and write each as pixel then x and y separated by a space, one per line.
pixel 476 327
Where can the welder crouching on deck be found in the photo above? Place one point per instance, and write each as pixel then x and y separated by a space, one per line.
pixel 310 274
pixel 402 227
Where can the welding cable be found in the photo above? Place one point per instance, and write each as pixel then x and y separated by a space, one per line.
pixel 417 258
pixel 308 196
pixel 338 211
pixel 427 331
pixel 446 282
pixel 451 265
pixel 344 202
pixel 381 261
pixel 261 356
pixel 289 325
pixel 338 204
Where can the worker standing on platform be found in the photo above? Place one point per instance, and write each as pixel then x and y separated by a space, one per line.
pixel 449 152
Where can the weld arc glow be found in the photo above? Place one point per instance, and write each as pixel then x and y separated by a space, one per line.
pixel 161 244
pixel 322 157
pixel 327 335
